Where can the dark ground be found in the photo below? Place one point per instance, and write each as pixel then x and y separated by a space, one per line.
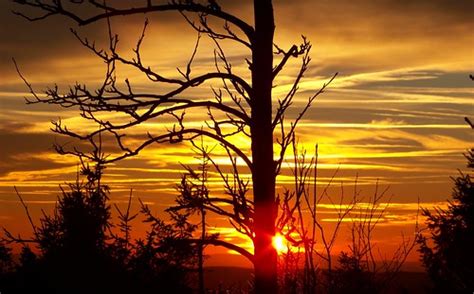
pixel 237 278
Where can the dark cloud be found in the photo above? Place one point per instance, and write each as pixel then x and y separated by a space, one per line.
pixel 25 37
pixel 13 142
pixel 343 22
pixel 460 10
pixel 423 79
pixel 16 149
pixel 52 37
pixel 28 164
pixel 19 149
pixel 415 12
pixel 388 142
pixel 37 44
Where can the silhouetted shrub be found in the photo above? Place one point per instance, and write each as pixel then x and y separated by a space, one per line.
pixel 5 258
pixel 351 276
pixel 163 260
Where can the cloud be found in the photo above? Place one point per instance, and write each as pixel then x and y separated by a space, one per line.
pixel 420 79
pixel 399 17
pixel 343 32
pixel 17 151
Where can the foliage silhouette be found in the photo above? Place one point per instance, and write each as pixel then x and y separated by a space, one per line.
pixel 447 252
pixel 193 196
pixel 72 243
pixel 350 276
pixel 6 263
pixel 78 251
pixel 5 258
pixel 166 255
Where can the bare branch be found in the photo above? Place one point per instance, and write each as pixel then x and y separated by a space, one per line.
pixel 30 220
pixel 227 245
pixel 190 6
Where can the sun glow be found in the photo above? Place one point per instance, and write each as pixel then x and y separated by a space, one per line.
pixel 278 242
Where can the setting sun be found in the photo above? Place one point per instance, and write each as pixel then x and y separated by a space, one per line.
pixel 278 242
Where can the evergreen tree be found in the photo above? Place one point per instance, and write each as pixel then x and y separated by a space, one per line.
pixel 78 252
pixel 448 252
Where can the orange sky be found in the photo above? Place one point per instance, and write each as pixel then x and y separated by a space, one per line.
pixel 394 114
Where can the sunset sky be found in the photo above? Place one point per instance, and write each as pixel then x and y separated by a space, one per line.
pixel 393 115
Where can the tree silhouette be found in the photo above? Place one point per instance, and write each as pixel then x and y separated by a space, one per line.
pixel 5 258
pixel 447 252
pixel 240 107
pixel 73 253
pixel 77 250
pixel 361 268
pixel 6 263
pixel 193 196
pixel 351 276
pixel 162 260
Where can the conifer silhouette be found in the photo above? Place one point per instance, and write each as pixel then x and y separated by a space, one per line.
pixel 77 250
pixel 447 252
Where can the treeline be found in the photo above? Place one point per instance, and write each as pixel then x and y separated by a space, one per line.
pixel 79 250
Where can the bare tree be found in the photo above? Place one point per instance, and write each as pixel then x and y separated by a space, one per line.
pixel 310 242
pixel 299 220
pixel 240 106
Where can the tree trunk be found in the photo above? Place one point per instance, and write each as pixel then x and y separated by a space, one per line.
pixel 263 174
pixel 202 288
